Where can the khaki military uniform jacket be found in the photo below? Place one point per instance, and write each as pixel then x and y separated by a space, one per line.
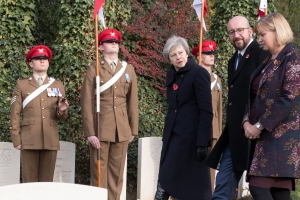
pixel 38 127
pixel 216 93
pixel 118 104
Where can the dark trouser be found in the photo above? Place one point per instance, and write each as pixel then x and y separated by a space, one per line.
pixel 259 193
pixel 227 178
pixel 38 165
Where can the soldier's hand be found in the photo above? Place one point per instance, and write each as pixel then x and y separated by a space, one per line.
pixel 19 147
pixel 94 142
pixel 132 137
pixel 63 104
pixel 201 153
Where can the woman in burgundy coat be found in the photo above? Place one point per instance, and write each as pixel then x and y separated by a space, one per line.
pixel 188 126
pixel 273 113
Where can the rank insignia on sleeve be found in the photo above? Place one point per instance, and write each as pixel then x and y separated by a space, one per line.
pixel 13 100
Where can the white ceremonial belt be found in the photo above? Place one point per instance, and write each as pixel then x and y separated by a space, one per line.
pixel 37 92
pixel 114 78
pixel 212 85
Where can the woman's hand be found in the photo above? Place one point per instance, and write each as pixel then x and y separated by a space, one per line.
pixel 251 131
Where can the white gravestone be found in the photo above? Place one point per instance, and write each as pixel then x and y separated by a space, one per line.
pixel 243 188
pixel 149 151
pixel 65 163
pixel 123 193
pixel 51 191
pixel 9 164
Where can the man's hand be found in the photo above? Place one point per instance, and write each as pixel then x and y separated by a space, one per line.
pixel 62 104
pixel 94 142
pixel 132 137
pixel 201 153
pixel 19 147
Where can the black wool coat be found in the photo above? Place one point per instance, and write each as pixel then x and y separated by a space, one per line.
pixel 238 85
pixel 188 124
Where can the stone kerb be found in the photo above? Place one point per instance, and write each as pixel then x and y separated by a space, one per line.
pixel 50 191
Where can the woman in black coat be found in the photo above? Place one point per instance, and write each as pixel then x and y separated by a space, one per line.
pixel 188 125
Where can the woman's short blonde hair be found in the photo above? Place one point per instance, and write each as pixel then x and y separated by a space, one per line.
pixel 173 42
pixel 277 23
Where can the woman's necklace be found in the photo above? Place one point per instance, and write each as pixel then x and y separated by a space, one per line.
pixel 267 65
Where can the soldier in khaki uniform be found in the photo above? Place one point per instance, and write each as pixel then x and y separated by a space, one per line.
pixel 118 114
pixel 208 51
pixel 37 134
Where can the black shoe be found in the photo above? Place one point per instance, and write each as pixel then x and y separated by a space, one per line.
pixel 161 194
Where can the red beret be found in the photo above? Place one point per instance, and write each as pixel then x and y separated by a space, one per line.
pixel 207 46
pixel 39 51
pixel 110 34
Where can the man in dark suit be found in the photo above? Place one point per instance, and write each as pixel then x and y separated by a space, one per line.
pixel 231 149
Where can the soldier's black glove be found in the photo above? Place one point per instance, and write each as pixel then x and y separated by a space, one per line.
pixel 201 153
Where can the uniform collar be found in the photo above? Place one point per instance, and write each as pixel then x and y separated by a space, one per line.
pixel 37 76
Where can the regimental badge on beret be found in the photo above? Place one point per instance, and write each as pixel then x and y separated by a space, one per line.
pixel 110 34
pixel 39 51
pixel 207 46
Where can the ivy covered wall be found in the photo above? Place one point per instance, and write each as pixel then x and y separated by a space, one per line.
pixel 66 27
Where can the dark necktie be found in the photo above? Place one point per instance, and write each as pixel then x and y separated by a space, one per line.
pixel 237 61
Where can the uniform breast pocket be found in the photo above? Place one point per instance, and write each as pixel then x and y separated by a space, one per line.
pixel 52 102
pixel 215 94
pixel 125 82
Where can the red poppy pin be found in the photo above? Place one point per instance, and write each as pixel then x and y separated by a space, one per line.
pixel 247 56
pixel 175 86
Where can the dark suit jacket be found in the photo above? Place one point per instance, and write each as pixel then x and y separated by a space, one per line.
pixel 277 108
pixel 238 85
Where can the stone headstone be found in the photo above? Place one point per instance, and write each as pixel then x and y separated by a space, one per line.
pixel 9 164
pixel 243 188
pixel 50 191
pixel 149 151
pixel 65 163
pixel 123 193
